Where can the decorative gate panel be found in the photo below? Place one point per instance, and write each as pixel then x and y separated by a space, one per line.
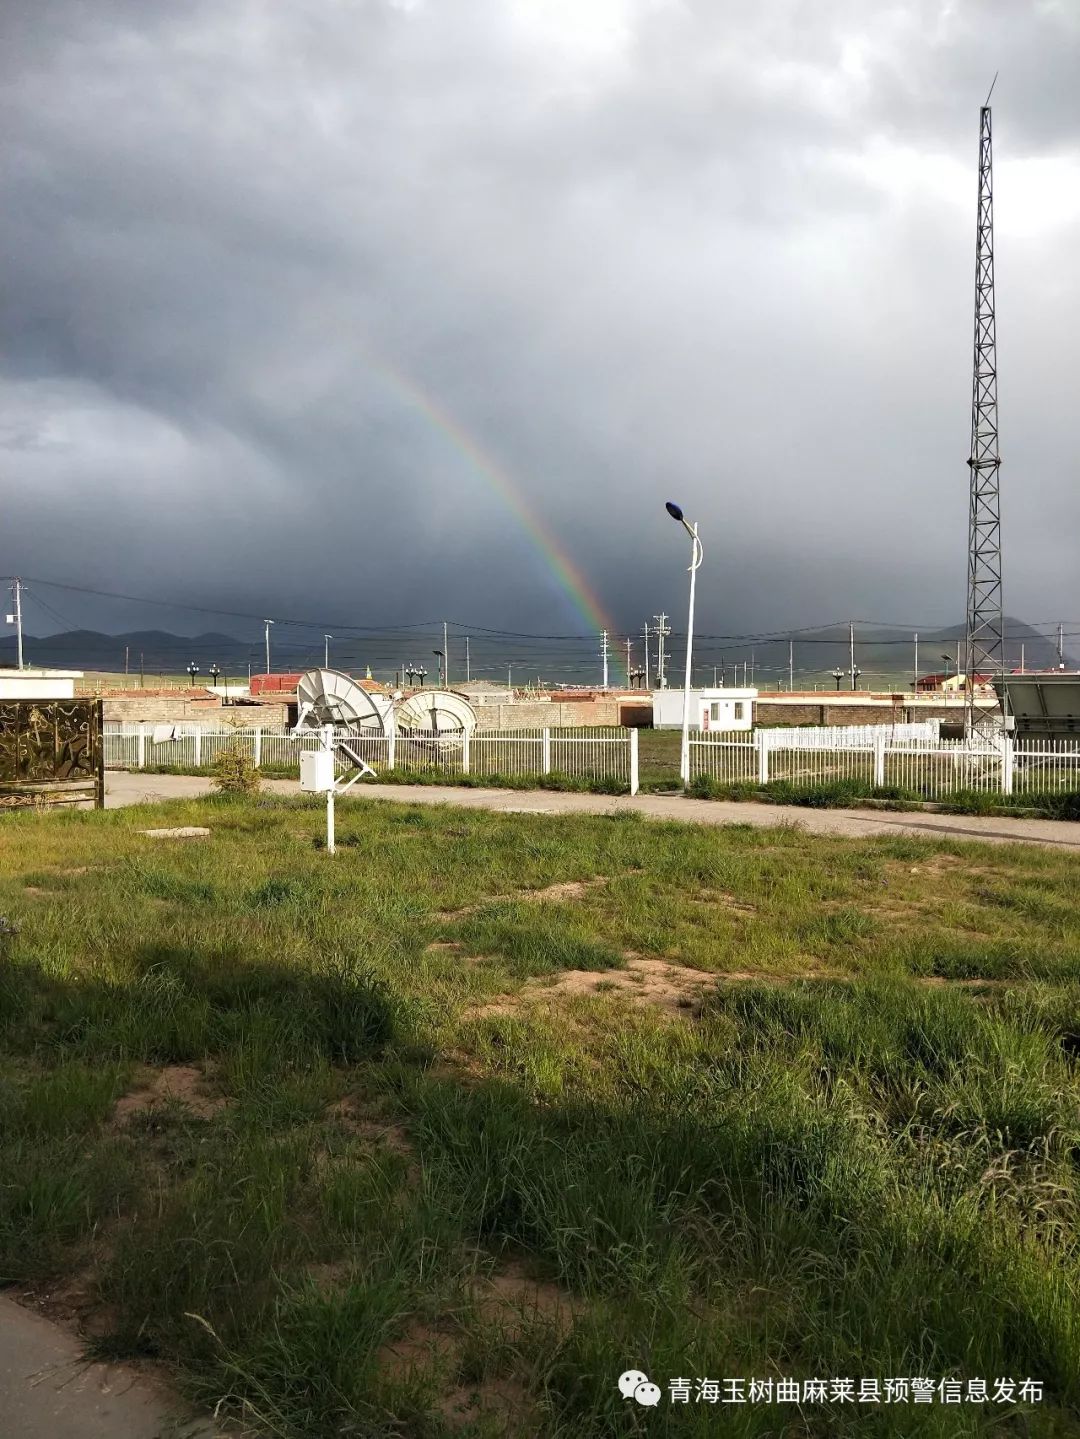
pixel 51 752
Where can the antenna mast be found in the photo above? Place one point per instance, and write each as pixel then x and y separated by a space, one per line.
pixel 985 630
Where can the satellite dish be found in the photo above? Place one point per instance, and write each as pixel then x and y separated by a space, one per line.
pixel 328 697
pixel 435 714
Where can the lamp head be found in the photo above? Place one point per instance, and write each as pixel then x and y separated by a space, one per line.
pixel 674 510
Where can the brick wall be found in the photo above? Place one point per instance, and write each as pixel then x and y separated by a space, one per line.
pixel 181 709
pixel 554 714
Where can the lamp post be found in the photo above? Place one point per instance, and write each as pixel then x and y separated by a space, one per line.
pixel 696 555
pixel 838 675
pixel 420 672
pixel 326 651
pixel 441 655
pixel 214 672
pixel 193 670
pixel 268 623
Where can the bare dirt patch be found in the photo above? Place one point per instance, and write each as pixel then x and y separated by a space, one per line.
pixel 181 1083
pixel 442 944
pixel 371 1127
pixel 722 899
pixel 560 893
pixel 511 1296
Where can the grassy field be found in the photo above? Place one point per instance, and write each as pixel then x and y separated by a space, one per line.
pixel 444 1133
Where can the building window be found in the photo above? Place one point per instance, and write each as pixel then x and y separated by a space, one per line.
pixel 738 709
pixel 715 712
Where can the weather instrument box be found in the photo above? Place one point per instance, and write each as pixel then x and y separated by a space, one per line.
pixel 317 771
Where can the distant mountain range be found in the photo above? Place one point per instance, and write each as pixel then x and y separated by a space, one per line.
pixel 884 657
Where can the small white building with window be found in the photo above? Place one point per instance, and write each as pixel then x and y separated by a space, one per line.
pixel 712 711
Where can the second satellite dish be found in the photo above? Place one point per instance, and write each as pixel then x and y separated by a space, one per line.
pixel 435 714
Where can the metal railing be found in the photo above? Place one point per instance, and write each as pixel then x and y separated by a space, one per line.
pixel 927 770
pixel 593 754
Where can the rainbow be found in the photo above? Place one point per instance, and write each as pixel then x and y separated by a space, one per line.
pixel 565 572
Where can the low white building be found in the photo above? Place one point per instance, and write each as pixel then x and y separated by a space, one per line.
pixel 710 709
pixel 38 684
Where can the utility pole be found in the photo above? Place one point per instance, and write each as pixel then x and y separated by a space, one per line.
pixel 646 656
pixel 790 665
pixel 985 627
pixel 16 620
pixel 851 647
pixel 142 671
pixel 1061 646
pixel 326 651
pixel 268 623
pixel 1022 670
pixel 629 659
pixel 604 654
pixel 446 657
pixel 468 671
pixel 127 655
pixel 663 629
pixel 510 679
pixel 915 677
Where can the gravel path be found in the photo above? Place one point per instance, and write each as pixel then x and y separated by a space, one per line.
pixel 122 788
pixel 49 1391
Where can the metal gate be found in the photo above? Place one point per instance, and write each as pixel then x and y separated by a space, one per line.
pixel 51 753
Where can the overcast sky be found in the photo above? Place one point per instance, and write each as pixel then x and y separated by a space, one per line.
pixel 636 249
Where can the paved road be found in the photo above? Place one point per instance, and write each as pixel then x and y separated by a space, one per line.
pixel 49 1391
pixel 122 788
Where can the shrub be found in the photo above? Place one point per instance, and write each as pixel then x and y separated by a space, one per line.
pixel 235 772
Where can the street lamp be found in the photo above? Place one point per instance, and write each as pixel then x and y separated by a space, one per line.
pixel 326 651
pixel 838 675
pixel 268 623
pixel 442 661
pixel 855 673
pixel 420 672
pixel 193 670
pixel 696 555
pixel 214 672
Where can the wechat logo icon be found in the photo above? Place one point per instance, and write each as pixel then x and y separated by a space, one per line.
pixel 635 1385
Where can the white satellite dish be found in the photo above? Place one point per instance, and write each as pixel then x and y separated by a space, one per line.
pixel 328 698
pixel 435 714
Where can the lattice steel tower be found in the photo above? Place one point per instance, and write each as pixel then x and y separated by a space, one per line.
pixel 985 636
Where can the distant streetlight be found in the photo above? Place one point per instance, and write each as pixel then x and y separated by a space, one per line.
pixel 268 623
pixel 838 675
pixel 420 672
pixel 326 651
pixel 214 672
pixel 442 663
pixel 855 673
pixel 696 556
pixel 193 670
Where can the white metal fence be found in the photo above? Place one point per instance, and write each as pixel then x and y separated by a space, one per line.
pixel 930 770
pixel 852 736
pixel 592 753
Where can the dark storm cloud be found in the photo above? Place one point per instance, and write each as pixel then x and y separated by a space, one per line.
pixel 637 248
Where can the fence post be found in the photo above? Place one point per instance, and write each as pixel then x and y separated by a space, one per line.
pixel 545 751
pixel 140 748
pixel 465 751
pixel 1008 752
pixel 257 756
pixel 633 761
pixel 762 757
pixel 197 760
pixel 879 760
pixel 391 749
